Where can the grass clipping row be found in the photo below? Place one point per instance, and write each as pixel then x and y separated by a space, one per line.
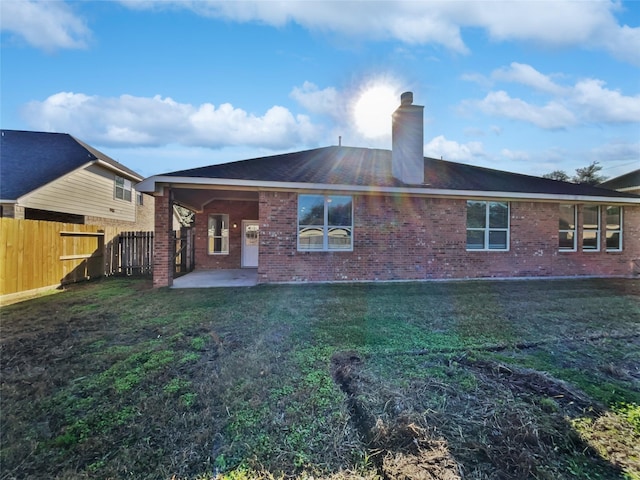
pixel 509 423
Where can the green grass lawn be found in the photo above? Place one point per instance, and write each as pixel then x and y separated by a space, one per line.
pixel 474 380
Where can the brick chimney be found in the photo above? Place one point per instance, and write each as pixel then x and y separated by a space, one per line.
pixel 407 150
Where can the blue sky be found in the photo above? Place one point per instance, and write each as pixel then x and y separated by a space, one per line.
pixel 523 86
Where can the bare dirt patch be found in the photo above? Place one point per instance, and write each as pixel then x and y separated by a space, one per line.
pixel 524 381
pixel 400 447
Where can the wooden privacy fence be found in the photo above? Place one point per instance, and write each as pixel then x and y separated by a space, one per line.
pixel 36 254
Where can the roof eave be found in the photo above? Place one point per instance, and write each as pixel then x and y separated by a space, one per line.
pixel 107 161
pixel 120 172
pixel 151 184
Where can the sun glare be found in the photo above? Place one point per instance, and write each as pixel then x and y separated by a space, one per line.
pixel 373 110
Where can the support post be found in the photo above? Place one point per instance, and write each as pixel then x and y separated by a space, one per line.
pixel 163 239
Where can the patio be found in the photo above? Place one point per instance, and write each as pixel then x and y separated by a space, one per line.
pixel 241 277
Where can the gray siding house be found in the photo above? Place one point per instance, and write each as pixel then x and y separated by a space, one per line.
pixel 56 177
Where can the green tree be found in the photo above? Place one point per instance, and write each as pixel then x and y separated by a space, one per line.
pixel 557 175
pixel 587 175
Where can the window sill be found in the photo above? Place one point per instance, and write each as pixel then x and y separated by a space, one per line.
pixel 326 251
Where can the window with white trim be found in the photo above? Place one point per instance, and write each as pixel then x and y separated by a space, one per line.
pixel 325 222
pixel 591 228
pixel 122 188
pixel 218 234
pixel 567 228
pixel 614 228
pixel 487 225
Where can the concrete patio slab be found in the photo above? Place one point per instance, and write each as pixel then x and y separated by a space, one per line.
pixel 244 277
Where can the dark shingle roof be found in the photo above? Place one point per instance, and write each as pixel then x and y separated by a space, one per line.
pixel 328 165
pixel 29 160
pixel 372 167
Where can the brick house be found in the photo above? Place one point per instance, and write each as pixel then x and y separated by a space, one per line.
pixel 339 213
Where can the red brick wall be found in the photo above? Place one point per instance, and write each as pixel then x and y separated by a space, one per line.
pixel 398 238
pixel 163 241
pixel 626 262
pixel 237 212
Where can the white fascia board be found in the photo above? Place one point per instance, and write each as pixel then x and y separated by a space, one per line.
pixel 120 172
pixel 8 201
pixel 149 185
pixel 628 189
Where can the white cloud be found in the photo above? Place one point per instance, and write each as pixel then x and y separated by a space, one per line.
pixel 440 147
pixel 48 25
pixel 129 121
pixel 478 78
pixel 408 22
pixel 616 158
pixel 551 23
pixel 360 113
pixel 617 152
pixel 52 24
pixel 558 24
pixel 603 105
pixel 144 121
pixel 553 115
pixel 527 75
pixel 324 102
pixel 514 155
pixel 623 42
pixel 586 102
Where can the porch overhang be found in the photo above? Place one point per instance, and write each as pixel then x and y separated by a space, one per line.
pixel 196 198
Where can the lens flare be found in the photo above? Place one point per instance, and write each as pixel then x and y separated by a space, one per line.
pixel 373 109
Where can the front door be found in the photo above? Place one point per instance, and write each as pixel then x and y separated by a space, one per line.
pixel 250 242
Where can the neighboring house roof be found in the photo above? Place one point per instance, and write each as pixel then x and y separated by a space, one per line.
pixel 30 160
pixel 628 181
pixel 371 168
